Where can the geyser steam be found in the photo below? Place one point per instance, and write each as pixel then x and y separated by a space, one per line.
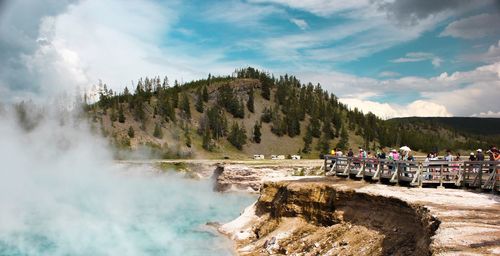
pixel 61 194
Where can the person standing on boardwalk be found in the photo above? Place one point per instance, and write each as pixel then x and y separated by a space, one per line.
pixel 448 156
pixel 480 155
pixel 472 156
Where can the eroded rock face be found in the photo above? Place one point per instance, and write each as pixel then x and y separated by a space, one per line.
pixel 236 177
pixel 311 218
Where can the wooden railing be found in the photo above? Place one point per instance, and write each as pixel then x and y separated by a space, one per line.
pixel 483 175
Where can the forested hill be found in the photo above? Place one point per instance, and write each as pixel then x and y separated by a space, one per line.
pixel 254 112
pixel 465 125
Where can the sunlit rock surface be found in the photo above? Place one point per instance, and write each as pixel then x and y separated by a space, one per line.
pixel 339 217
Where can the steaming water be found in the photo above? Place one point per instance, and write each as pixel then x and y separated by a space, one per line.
pixel 138 215
pixel 61 194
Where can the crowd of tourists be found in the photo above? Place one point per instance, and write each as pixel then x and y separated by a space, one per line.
pixel 405 154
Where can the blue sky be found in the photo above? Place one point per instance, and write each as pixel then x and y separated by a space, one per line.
pixel 391 57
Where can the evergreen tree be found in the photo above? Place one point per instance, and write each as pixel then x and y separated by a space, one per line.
pixel 187 136
pixel 131 132
pixel 240 112
pixel 278 125
pixel 315 127
pixel 207 140
pixel 185 106
pixel 205 94
pixel 324 144
pixel 266 84
pixel 158 133
pixel 237 136
pixel 344 139
pixel 308 138
pixel 121 116
pixel 256 132
pixel 199 101
pixel 266 116
pixel 250 102
pixel 113 116
pixel 217 122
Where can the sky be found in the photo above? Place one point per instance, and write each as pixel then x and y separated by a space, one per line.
pixel 391 57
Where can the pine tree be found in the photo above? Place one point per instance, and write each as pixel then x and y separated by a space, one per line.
pixel 315 127
pixel 185 106
pixel 207 140
pixel 308 138
pixel 324 144
pixel 237 136
pixel 266 116
pixel 131 132
pixel 256 132
pixel 250 102
pixel 266 86
pixel 187 136
pixel 205 94
pixel 121 116
pixel 344 139
pixel 199 101
pixel 158 133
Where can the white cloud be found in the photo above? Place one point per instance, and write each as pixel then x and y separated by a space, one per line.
pixel 239 13
pixel 488 114
pixel 491 55
pixel 302 24
pixel 386 110
pixel 420 56
pixel 460 93
pixel 87 42
pixel 320 7
pixel 369 29
pixel 388 74
pixel 473 27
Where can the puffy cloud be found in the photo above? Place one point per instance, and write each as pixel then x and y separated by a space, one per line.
pixel 459 94
pixel 488 114
pixel 386 110
pixel 19 29
pixel 302 24
pixel 420 56
pixel 474 27
pixel 84 42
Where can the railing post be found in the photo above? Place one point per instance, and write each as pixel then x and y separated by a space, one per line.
pixel 441 177
pixel 480 176
pixel 326 163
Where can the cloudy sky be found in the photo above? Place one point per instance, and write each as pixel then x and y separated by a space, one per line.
pixel 391 57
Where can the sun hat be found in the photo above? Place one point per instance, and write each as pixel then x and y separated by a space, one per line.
pixel 471 153
pixel 479 150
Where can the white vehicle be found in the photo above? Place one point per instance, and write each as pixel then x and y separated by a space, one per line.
pixel 258 157
pixel 278 157
pixel 295 157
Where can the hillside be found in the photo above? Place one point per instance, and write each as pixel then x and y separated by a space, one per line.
pixel 464 125
pixel 256 113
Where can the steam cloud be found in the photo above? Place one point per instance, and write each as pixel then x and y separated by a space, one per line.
pixel 62 194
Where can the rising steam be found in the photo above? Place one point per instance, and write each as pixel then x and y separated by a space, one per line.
pixel 62 194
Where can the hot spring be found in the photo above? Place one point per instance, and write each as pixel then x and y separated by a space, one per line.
pixel 62 194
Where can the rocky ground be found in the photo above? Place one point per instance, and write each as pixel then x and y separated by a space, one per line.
pixel 332 216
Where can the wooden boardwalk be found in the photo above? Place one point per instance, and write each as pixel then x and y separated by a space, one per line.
pixel 483 175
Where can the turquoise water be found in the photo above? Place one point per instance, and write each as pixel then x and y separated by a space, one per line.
pixel 120 214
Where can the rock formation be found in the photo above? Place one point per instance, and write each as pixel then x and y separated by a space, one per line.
pixel 338 217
